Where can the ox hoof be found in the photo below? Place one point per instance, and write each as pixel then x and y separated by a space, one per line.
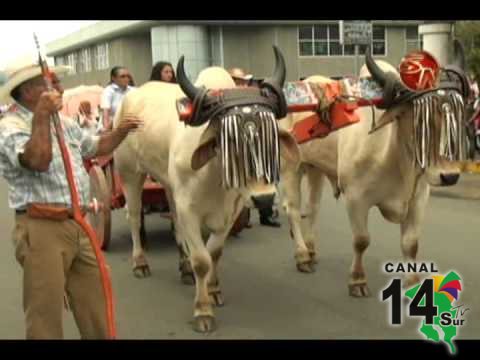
pixel 140 267
pixel 141 271
pixel 359 290
pixel 204 324
pixel 187 278
pixel 306 267
pixel 217 298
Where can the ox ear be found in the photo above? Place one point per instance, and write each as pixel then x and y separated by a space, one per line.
pixel 390 115
pixel 288 146
pixel 206 150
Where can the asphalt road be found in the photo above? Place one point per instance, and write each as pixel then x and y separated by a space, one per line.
pixel 266 298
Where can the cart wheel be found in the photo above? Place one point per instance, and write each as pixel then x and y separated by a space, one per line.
pixel 101 222
pixel 241 222
pixel 108 171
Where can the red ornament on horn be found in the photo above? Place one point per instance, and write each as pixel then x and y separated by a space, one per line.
pixel 419 70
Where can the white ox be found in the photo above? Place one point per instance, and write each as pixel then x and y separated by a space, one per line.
pixel 377 169
pixel 164 149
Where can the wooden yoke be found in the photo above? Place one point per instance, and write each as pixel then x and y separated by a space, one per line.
pixel 333 105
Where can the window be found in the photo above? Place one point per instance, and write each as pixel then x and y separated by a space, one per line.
pixel 378 40
pixel 59 60
pixel 101 56
pixel 324 40
pixel 305 38
pixel 80 65
pixel 95 57
pixel 87 59
pixel 412 38
pixel 84 61
pixel 72 62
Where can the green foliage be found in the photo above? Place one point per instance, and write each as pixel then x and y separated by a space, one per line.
pixel 468 32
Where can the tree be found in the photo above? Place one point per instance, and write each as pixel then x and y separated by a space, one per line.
pixel 468 32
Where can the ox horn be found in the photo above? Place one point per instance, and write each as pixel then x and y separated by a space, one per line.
pixel 279 74
pixel 375 70
pixel 459 55
pixel 188 88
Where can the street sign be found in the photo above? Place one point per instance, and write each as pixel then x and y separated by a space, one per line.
pixel 356 32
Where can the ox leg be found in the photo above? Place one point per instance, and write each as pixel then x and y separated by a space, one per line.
pixel 410 232
pixel 184 266
pixel 291 186
pixel 315 181
pixel 133 194
pixel 189 229
pixel 215 246
pixel 358 216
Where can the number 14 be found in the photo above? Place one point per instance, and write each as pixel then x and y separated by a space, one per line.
pixel 429 311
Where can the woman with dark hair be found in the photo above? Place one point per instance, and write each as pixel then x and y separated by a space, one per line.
pixel 114 93
pixel 163 71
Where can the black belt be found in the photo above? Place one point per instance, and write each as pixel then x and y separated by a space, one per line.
pixel 24 211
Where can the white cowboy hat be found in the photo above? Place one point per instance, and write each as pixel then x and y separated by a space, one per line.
pixel 240 74
pixel 19 72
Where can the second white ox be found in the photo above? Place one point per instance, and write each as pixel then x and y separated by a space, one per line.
pixel 189 162
pixel 381 169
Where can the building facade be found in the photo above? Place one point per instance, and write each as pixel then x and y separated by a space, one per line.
pixel 309 47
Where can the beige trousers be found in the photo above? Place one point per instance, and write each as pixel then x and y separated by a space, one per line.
pixel 57 258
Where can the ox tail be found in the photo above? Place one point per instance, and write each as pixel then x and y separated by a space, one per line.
pixel 337 190
pixel 336 193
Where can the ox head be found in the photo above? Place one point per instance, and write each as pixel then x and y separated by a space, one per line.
pixel 243 130
pixel 431 122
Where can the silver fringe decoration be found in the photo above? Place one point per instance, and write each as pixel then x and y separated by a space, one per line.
pixel 250 149
pixel 453 137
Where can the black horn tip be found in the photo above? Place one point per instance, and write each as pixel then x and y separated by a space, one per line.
pixel 280 62
pixel 279 73
pixel 181 61
pixel 375 71
pixel 187 87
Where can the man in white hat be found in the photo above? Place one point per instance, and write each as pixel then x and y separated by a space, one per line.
pixel 242 79
pixel 55 254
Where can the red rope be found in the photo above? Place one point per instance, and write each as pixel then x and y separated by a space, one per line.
pixel 78 217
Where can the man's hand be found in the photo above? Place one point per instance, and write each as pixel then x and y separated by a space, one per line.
pixel 49 103
pixel 85 108
pixel 111 139
pixel 129 123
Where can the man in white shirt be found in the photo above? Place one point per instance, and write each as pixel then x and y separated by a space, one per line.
pixel 113 94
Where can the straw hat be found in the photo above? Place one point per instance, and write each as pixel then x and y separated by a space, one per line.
pixel 19 72
pixel 240 74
